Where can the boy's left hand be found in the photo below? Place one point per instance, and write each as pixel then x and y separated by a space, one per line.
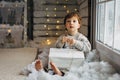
pixel 71 41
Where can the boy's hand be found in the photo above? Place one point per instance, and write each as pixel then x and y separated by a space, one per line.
pixel 68 40
pixel 72 41
pixel 64 39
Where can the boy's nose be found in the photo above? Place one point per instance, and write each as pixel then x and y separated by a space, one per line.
pixel 71 22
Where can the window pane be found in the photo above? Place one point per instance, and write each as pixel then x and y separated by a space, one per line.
pixel 117 26
pixel 109 23
pixel 101 22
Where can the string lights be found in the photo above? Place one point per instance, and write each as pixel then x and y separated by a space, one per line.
pixel 55 15
pixel 51 32
pixel 57 27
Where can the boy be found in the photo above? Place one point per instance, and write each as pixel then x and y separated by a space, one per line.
pixel 72 39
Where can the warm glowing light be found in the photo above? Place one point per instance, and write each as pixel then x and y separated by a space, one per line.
pixel 75 9
pixel 55 15
pixel 48 20
pixel 9 30
pixel 64 6
pixel 46 33
pixel 57 27
pixel 45 26
pixel 48 28
pixel 58 21
pixel 56 33
pixel 48 42
pixel 48 15
pixel 55 9
pixel 68 11
pixel 46 9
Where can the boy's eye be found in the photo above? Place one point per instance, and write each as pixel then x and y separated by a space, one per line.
pixel 74 20
pixel 71 21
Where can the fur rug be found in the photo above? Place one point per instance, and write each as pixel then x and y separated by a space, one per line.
pixel 92 69
pixel 89 71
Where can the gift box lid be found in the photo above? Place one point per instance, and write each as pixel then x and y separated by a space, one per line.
pixel 66 53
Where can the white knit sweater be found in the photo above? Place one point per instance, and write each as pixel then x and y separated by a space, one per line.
pixel 81 43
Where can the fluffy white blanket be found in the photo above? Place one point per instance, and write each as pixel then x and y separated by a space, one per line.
pixel 92 69
pixel 89 71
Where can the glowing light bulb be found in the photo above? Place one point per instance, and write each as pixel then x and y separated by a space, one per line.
pixel 58 21
pixel 56 33
pixel 48 15
pixel 75 9
pixel 55 9
pixel 46 9
pixel 48 28
pixel 64 6
pixel 48 20
pixel 46 33
pixel 48 42
pixel 45 26
pixel 57 27
pixel 9 30
pixel 68 11
pixel 55 15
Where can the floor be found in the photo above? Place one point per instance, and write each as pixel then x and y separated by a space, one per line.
pixel 13 60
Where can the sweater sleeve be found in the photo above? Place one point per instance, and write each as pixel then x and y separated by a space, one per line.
pixel 59 43
pixel 82 44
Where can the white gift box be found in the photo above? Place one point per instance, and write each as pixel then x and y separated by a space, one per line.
pixel 66 58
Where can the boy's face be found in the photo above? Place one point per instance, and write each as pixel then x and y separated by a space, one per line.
pixel 72 24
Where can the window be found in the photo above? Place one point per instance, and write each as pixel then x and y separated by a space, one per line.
pixel 108 23
pixel 117 26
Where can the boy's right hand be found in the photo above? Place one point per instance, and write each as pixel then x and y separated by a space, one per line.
pixel 64 39
pixel 68 40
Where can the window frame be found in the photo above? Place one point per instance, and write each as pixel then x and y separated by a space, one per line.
pixel 107 53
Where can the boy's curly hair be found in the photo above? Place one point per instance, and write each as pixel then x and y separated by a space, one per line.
pixel 73 14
